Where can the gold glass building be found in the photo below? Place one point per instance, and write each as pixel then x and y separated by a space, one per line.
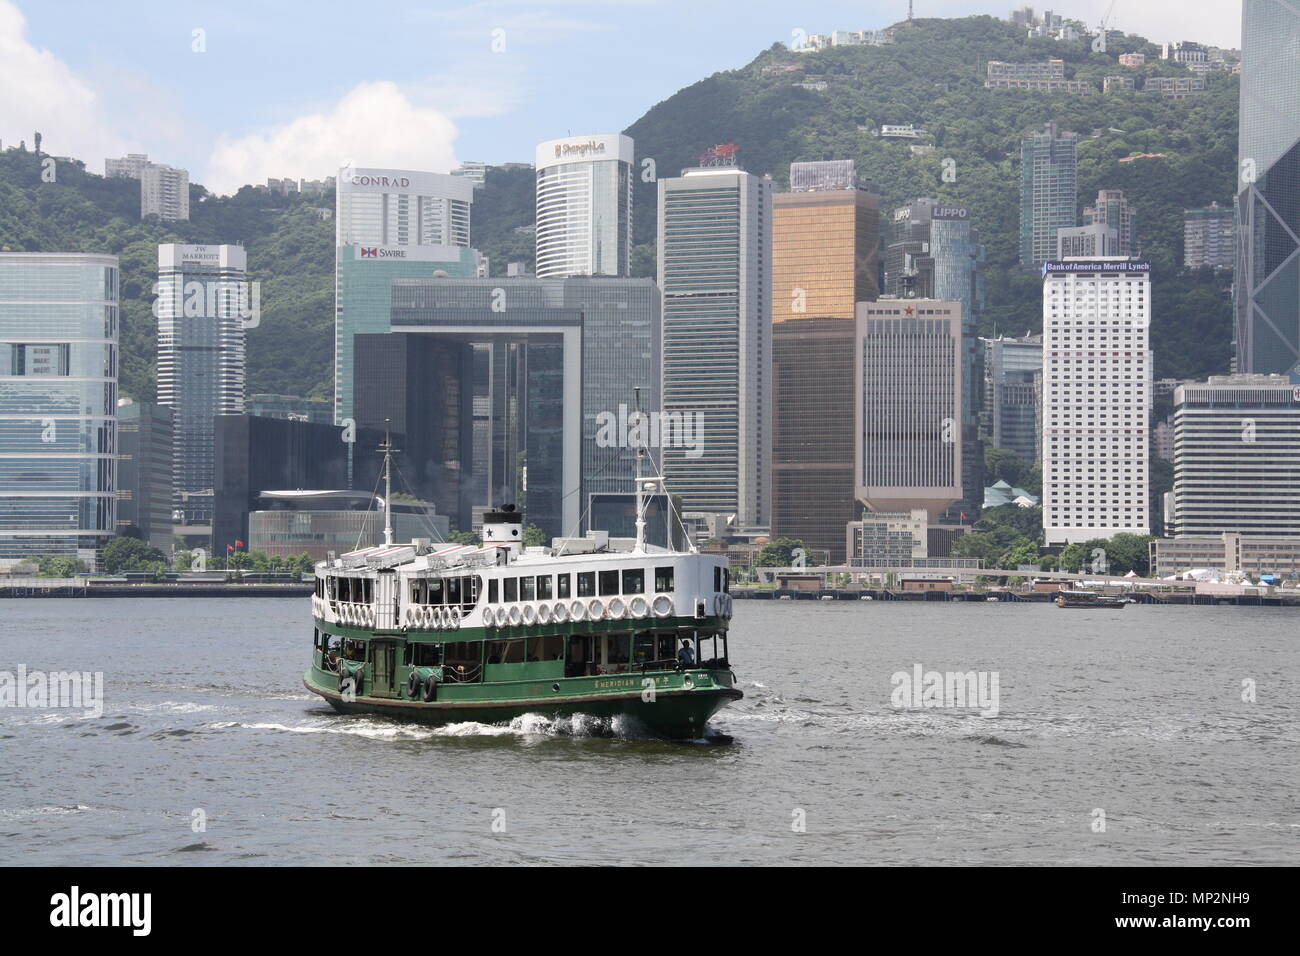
pixel 825 253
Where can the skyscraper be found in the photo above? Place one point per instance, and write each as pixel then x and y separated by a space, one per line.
pixel 203 302
pixel 934 253
pixel 1266 289
pixel 1236 457
pixel 1048 192
pixel 556 362
pixel 1013 369
pixel 164 192
pixel 908 405
pixel 144 470
pixel 1096 398
pixel 715 271
pixel 58 403
pixel 422 386
pixel 1209 237
pixel 391 224
pixel 825 241
pixel 584 206
pixel 1113 209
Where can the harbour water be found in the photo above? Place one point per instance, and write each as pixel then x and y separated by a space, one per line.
pixel 209 750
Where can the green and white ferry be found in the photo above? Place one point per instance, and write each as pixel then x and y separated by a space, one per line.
pixel 452 633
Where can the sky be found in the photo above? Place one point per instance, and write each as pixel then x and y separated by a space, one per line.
pixel 240 91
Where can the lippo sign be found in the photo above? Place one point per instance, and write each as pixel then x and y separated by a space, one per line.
pixel 1096 265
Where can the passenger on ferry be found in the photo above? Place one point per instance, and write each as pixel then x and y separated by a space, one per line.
pixel 685 656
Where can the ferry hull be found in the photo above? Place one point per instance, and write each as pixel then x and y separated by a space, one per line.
pixel 674 714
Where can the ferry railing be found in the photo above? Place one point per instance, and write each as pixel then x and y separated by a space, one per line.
pixel 462 674
pixel 663 664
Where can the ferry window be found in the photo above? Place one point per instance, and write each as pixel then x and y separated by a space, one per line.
pixel 512 589
pixel 562 586
pixel 586 584
pixel 667 646
pixel 434 595
pixel 717 578
pixel 544 590
pixel 664 579
pixel 634 581
pixel 608 583
pixel 354 650
pixel 493 591
pixel 426 655
pixel 616 651
pixel 506 652
pixel 368 589
pixel 643 650
pixel 548 648
pixel 726 579
pixel 527 589
pixel 453 590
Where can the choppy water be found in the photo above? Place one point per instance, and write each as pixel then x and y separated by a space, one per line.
pixel 1137 713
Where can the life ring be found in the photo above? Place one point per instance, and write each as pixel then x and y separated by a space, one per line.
pixel 577 610
pixel 543 613
pixel 638 607
pixel 516 614
pixel 617 609
pixel 413 684
pixel 529 614
pixel 560 613
pixel 595 610
pixel 430 688
pixel 489 617
pixel 440 618
pixel 453 616
pixel 663 606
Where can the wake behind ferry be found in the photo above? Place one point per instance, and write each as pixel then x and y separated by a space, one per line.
pixel 451 633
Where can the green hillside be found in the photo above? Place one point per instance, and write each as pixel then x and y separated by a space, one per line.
pixel 290 251
pixel 931 77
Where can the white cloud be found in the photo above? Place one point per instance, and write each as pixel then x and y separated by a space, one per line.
pixel 375 124
pixel 39 92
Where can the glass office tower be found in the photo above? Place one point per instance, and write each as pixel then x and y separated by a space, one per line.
pixel 825 252
pixel 1267 285
pixel 58 404
pixel 1048 192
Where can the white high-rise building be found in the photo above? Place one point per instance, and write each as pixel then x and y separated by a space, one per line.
pixel 165 193
pixel 202 304
pixel 1096 398
pixel 715 272
pixel 402 207
pixel 584 206
pixel 129 166
pixel 391 224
